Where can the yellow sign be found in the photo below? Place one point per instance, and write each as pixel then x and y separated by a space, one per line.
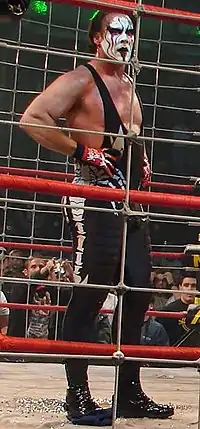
pixel 196 261
pixel 196 318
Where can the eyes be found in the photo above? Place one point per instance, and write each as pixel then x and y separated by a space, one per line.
pixel 130 32
pixel 117 31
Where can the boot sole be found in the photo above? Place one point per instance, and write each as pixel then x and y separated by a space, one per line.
pixel 143 416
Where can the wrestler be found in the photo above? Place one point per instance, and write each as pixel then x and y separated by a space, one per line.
pixel 97 97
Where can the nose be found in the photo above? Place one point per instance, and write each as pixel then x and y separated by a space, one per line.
pixel 124 37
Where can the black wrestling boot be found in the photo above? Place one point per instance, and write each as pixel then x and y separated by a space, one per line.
pixel 133 403
pixel 83 410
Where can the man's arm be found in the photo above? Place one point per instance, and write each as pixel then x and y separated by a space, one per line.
pixel 58 99
pixel 50 105
pixel 4 315
pixel 4 324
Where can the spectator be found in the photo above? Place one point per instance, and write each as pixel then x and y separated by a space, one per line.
pixel 39 319
pixel 35 268
pixel 160 282
pixel 178 332
pixel 4 315
pixel 153 333
pixel 13 266
pixel 175 294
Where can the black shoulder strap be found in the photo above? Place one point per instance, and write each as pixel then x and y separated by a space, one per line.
pixel 111 115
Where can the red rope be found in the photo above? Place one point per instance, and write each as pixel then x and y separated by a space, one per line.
pixel 32 173
pixel 127 6
pixel 62 308
pixel 171 186
pixel 42 247
pixel 169 255
pixel 69 176
pixel 97 192
pixel 26 345
pixel 68 249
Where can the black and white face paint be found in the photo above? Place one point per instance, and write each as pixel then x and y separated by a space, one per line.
pixel 119 38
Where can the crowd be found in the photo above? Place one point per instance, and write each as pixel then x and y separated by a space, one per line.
pixel 45 323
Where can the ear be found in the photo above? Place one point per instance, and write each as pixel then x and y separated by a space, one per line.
pixel 25 272
pixel 97 39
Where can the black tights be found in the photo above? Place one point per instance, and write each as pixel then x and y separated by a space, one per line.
pixel 98 262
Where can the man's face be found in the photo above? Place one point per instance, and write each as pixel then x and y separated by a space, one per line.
pixel 34 266
pixel 118 38
pixel 188 284
pixel 15 260
pixel 159 281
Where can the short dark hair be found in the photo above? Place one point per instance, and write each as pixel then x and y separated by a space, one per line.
pixel 187 273
pixel 95 26
pixel 32 257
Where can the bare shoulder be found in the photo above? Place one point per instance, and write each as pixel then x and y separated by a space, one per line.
pixel 74 81
pixel 62 94
pixel 79 76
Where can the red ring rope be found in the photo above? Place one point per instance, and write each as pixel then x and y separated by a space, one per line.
pixel 68 249
pixel 171 186
pixel 26 345
pixel 169 255
pixel 33 246
pixel 69 176
pixel 32 173
pixel 62 308
pixel 96 192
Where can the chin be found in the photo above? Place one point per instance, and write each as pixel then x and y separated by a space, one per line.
pixel 190 300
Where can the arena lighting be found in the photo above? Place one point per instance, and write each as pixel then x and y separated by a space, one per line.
pixel 40 7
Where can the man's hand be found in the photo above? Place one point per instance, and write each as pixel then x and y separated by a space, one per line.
pixel 105 159
pixel 146 171
pixel 68 275
pixel 48 269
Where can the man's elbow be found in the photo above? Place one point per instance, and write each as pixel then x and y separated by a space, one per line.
pixel 26 118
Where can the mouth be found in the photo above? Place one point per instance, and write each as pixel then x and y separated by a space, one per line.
pixel 123 50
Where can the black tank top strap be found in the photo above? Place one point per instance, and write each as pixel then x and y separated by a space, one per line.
pixel 112 120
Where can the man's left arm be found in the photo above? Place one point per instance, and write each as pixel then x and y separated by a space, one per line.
pixel 138 127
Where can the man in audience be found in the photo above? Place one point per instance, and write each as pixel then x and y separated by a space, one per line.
pixel 13 265
pixel 38 268
pixel 179 333
pixel 39 319
pixel 153 333
pixel 160 282
pixel 35 268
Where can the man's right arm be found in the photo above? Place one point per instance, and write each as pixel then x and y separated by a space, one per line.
pixel 50 105
pixel 58 99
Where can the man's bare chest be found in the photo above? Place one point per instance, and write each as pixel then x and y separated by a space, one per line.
pixel 119 101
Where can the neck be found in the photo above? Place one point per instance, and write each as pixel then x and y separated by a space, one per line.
pixel 183 300
pixel 109 68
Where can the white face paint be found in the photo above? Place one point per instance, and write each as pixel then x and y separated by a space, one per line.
pixel 119 38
